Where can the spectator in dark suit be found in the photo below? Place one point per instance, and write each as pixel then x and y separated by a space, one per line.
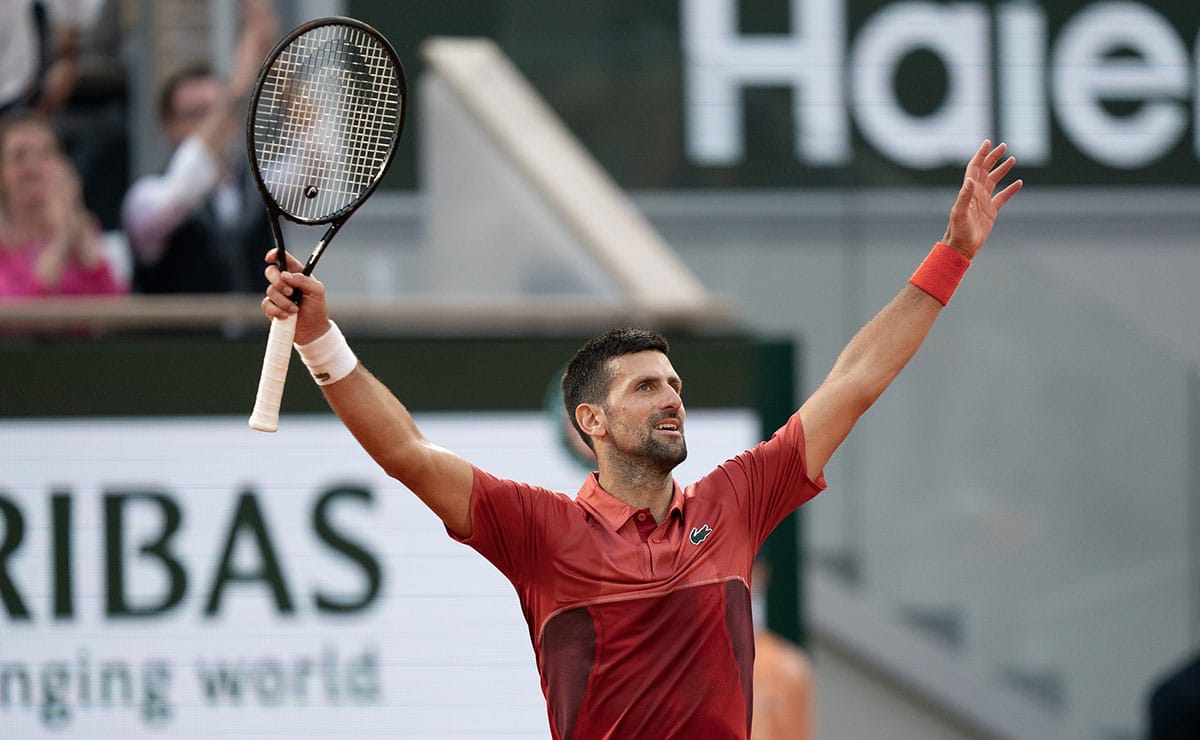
pixel 200 227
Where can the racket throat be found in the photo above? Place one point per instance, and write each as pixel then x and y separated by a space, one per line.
pixel 320 248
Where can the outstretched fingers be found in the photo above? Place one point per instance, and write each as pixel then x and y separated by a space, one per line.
pixel 999 172
pixel 1007 193
pixel 977 165
pixel 994 155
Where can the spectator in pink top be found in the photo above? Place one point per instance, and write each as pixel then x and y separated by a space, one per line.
pixel 49 243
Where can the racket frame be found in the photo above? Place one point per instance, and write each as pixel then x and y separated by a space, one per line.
pixel 265 416
pixel 339 217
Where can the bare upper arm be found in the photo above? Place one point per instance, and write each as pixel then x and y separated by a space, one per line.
pixel 383 426
pixel 828 416
pixel 864 369
pixel 443 481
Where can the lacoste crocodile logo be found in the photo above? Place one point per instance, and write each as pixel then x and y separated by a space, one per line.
pixel 699 534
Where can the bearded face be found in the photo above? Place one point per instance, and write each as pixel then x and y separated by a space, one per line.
pixel 645 412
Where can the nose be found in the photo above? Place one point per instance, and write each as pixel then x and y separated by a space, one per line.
pixel 672 399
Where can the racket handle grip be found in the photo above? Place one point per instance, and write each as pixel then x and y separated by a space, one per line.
pixel 265 417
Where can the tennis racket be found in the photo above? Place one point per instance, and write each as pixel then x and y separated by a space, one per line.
pixel 322 128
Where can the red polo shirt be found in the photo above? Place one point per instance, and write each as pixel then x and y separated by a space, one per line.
pixel 643 630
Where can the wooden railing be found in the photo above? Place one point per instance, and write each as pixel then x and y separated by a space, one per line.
pixel 425 314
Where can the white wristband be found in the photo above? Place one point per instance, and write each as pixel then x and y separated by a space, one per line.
pixel 328 357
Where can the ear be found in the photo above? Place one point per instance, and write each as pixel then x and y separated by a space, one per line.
pixel 591 420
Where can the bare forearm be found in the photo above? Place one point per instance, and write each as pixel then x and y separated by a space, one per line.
pixel 884 346
pixel 220 127
pixel 386 430
pixel 376 418
pixel 863 371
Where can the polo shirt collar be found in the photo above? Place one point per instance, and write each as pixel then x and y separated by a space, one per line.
pixel 615 511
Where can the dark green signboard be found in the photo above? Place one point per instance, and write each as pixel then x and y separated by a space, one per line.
pixel 841 93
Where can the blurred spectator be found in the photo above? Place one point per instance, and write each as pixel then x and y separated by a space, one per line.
pixel 93 121
pixel 1175 704
pixel 20 52
pixel 39 50
pixel 49 243
pixel 201 227
pixel 65 59
pixel 782 675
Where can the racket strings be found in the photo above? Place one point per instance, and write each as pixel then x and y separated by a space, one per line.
pixel 326 120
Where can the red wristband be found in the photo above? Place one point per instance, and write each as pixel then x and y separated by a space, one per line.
pixel 940 273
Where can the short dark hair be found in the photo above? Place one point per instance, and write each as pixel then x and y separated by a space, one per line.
pixel 166 94
pixel 589 373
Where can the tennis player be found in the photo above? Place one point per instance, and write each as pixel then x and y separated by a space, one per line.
pixel 636 590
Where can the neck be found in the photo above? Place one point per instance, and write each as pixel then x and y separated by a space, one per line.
pixel 638 485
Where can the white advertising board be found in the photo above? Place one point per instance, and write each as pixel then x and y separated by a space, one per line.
pixel 191 578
